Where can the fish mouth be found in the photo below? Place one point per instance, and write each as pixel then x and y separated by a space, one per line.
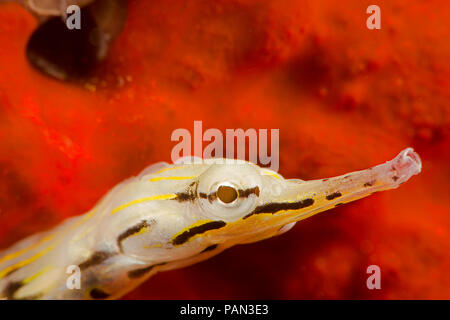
pixel 406 164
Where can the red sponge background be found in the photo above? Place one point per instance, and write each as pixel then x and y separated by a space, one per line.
pixel 344 98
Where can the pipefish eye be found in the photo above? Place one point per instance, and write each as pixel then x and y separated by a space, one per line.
pixel 227 194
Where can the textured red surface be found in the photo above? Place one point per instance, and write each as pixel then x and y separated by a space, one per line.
pixel 344 98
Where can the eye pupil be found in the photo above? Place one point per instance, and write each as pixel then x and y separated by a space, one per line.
pixel 227 194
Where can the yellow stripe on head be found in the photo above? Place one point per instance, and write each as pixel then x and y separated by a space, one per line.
pixel 170 168
pixel 171 178
pixel 272 174
pixel 158 197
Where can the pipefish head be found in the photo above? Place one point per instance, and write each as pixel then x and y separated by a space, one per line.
pixel 209 205
pixel 240 202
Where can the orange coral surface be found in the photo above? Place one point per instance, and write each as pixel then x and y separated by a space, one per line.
pixel 344 98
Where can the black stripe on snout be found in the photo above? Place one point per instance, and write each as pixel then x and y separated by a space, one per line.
pixel 279 206
pixel 369 184
pixel 210 248
pixel 129 232
pixel 185 236
pixel 334 196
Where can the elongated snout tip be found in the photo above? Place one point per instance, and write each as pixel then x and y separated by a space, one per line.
pixel 407 163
